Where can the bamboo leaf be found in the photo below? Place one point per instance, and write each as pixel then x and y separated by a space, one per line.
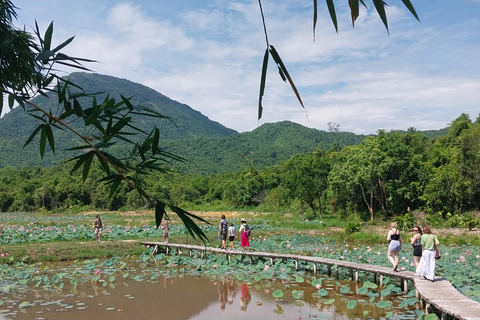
pixel 410 7
pixel 380 6
pixel 47 40
pixel 156 140
pixel 263 79
pixel 354 10
pixel 34 133
pixel 87 164
pixel 281 66
pixel 333 15
pixel 315 13
pixel 191 226
pixel 63 45
pixel 159 212
pixel 43 141
pixel 51 140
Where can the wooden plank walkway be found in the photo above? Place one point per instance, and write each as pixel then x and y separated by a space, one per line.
pixel 440 293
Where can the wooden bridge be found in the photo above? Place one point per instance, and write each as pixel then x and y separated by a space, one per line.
pixel 440 293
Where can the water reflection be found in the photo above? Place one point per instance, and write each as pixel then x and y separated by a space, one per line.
pixel 226 292
pixel 246 297
pixel 163 295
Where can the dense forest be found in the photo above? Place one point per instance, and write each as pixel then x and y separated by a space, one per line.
pixel 390 174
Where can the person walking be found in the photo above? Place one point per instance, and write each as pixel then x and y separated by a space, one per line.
pixel 417 245
pixel 222 231
pixel 165 225
pixel 394 245
pixel 426 267
pixel 231 235
pixel 243 236
pixel 98 225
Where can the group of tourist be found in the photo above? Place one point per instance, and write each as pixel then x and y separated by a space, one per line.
pixel 424 249
pixel 224 229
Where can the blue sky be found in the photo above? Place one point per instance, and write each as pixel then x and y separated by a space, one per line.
pixel 208 54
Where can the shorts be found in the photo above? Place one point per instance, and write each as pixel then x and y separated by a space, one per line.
pixel 394 245
pixel 223 236
pixel 417 251
pixel 231 238
pixel 98 230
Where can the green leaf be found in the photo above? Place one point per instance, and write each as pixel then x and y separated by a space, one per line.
pixel 380 6
pixel 277 294
pixel 351 304
pixel 159 212
pixel 354 10
pixel 315 14
pixel 281 66
pixel 51 141
pixel 410 7
pixel 86 165
pixel 191 226
pixel 156 140
pixel 333 15
pixel 263 79
pixel 322 292
pixel 47 39
pixel 299 279
pixel 63 45
pixel 329 301
pixel 385 292
pixel 345 290
pixel 431 316
pixel 34 133
pixel 43 141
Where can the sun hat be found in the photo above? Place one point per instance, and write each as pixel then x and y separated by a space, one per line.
pixel 243 220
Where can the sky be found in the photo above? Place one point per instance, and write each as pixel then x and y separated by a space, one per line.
pixel 208 54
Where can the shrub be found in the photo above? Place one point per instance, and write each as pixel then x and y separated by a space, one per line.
pixel 405 222
pixel 353 226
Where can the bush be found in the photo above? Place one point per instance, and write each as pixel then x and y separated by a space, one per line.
pixel 405 222
pixel 353 226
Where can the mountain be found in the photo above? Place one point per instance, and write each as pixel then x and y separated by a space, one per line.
pixel 265 146
pixel 209 146
pixel 16 126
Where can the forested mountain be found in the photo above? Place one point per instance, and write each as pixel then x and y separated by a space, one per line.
pixel 265 146
pixel 209 146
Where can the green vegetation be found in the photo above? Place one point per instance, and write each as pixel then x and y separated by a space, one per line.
pixel 391 175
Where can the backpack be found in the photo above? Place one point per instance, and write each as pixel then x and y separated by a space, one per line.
pixel 224 225
pixel 247 230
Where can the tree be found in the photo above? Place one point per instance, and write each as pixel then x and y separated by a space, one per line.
pixel 27 68
pixel 305 177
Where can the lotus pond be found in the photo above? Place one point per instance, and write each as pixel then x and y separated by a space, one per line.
pixel 122 286
pixel 183 287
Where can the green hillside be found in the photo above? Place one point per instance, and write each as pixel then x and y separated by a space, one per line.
pixel 185 122
pixel 265 146
pixel 210 146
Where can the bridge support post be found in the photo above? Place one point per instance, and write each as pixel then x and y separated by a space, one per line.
pixel 166 251
pixel 380 281
pixel 314 269
pixel 154 252
pixel 356 275
pixel 228 257
pixel 271 261
pixel 405 286
pixel 190 253
pixel 296 265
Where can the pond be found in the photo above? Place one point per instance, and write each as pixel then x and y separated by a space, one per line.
pixel 137 288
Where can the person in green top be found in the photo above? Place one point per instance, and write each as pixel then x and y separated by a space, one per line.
pixel 426 267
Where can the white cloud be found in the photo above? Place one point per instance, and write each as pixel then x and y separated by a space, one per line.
pixel 208 55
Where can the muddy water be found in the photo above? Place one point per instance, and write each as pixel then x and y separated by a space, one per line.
pixel 183 297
